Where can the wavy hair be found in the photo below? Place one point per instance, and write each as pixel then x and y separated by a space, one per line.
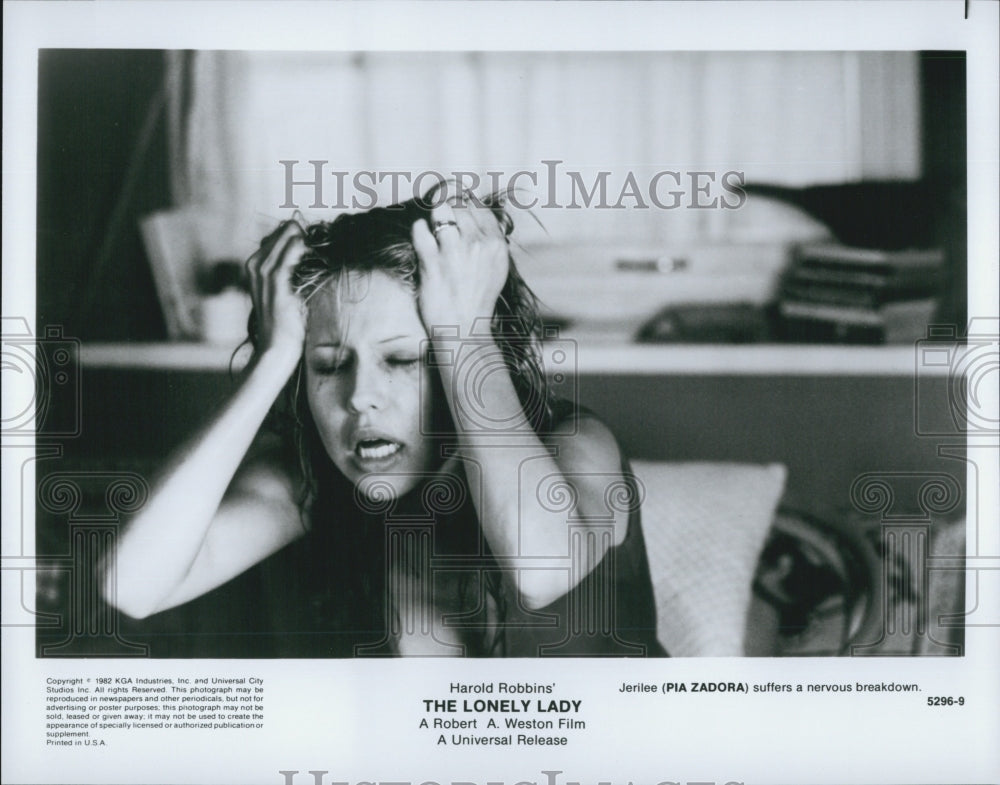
pixel 381 240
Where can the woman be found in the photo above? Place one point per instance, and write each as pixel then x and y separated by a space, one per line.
pixel 425 492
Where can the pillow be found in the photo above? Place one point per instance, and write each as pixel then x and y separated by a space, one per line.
pixel 705 525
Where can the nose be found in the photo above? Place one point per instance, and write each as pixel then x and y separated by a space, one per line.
pixel 369 388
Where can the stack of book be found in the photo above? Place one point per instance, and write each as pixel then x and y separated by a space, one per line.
pixel 841 294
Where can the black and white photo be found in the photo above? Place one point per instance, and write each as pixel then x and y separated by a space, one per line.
pixel 574 405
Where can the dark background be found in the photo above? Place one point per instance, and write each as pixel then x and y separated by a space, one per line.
pixel 102 164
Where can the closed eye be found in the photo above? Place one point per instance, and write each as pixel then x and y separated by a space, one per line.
pixel 321 369
pixel 325 364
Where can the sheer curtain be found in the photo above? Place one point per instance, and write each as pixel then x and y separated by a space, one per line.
pixel 792 118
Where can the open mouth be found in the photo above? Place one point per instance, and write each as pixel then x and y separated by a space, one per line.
pixel 376 449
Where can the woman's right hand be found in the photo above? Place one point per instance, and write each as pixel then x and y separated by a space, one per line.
pixel 215 512
pixel 279 315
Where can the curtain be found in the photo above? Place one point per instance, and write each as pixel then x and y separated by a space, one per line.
pixel 792 118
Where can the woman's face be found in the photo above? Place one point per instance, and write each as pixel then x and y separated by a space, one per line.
pixel 370 396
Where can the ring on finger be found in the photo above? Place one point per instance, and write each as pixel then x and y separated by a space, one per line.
pixel 439 225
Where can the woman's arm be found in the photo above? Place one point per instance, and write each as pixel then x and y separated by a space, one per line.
pixel 206 522
pixel 510 470
pixel 193 535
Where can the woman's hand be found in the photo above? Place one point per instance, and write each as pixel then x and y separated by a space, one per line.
pixel 279 315
pixel 463 265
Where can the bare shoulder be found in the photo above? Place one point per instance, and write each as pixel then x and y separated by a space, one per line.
pixel 263 498
pixel 587 452
pixel 585 444
pixel 268 473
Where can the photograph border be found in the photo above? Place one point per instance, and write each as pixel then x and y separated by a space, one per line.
pixel 359 721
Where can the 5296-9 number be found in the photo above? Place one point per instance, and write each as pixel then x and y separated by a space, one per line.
pixel 948 701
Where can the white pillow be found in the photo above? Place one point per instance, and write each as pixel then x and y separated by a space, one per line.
pixel 705 526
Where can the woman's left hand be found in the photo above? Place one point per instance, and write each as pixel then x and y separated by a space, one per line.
pixel 463 265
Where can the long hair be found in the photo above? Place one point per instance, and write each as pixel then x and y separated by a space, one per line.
pixel 381 240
